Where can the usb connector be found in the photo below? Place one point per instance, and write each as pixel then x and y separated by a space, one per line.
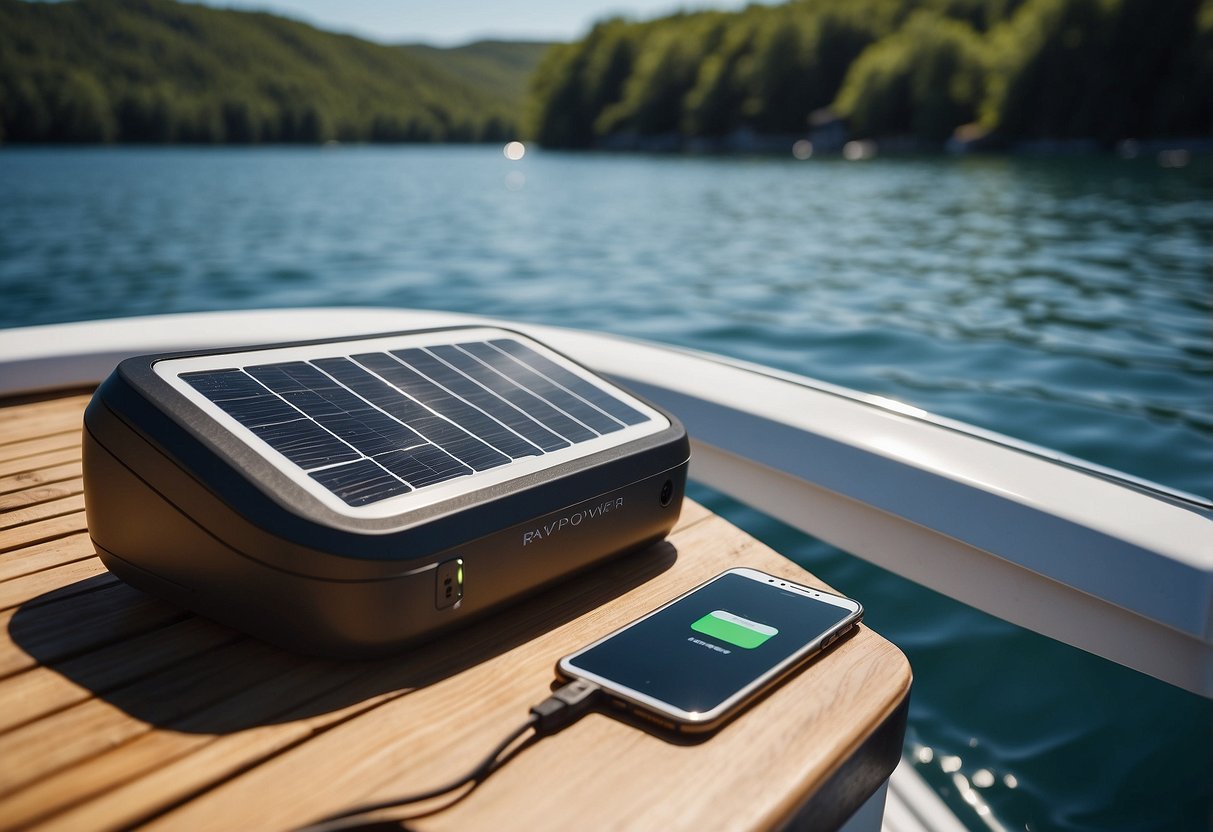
pixel 567 705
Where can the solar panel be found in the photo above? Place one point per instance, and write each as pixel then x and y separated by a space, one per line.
pixel 383 418
pixel 350 496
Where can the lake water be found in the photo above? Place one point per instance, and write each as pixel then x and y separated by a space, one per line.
pixel 1068 302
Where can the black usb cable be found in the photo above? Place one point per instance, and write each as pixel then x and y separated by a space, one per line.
pixel 567 705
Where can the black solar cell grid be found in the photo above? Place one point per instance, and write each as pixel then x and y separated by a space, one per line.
pixel 376 425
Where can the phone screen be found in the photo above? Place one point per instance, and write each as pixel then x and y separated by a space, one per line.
pixel 710 644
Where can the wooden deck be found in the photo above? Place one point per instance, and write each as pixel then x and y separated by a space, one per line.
pixel 118 710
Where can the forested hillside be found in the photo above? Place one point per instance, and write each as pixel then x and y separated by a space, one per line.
pixel 159 71
pixel 500 70
pixel 1012 70
pixel 1005 70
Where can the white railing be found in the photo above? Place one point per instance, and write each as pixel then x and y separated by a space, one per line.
pixel 1116 568
pixel 1113 566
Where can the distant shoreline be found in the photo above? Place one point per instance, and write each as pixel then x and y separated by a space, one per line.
pixel 1170 152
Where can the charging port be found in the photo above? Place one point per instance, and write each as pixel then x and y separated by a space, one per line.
pixel 448 584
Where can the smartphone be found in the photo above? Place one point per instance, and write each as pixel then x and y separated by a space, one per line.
pixel 695 662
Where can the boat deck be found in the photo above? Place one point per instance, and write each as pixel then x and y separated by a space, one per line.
pixel 118 710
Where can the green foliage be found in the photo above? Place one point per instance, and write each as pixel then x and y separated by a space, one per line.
pixel 703 74
pixel 663 72
pixel 575 83
pixel 1057 69
pixel 713 106
pixel 1102 69
pixel 498 70
pixel 160 71
pixel 924 80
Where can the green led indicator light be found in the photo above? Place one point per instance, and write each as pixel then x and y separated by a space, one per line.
pixel 448 584
pixel 737 631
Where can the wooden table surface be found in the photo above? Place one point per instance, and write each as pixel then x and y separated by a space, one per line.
pixel 119 710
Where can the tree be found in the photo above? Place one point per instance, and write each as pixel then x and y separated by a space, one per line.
pixel 713 107
pixel 925 80
pixel 80 109
pixel 664 73
pixel 161 71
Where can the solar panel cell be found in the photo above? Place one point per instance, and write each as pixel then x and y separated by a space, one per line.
pixel 255 411
pixel 312 403
pixel 520 397
pixel 305 443
pixel 359 483
pixel 339 411
pixel 291 375
pixel 543 387
pixel 222 385
pixel 451 438
pixel 240 396
pixel 423 466
pixel 591 393
pixel 482 399
pixel 440 401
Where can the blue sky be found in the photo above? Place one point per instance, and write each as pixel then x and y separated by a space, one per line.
pixel 453 22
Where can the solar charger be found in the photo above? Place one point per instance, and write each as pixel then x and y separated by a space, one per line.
pixel 347 496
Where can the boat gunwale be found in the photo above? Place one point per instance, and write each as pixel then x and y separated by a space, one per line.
pixel 1131 559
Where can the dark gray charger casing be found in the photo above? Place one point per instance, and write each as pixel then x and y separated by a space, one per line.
pixel 179 507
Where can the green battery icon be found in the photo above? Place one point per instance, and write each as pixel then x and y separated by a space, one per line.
pixel 738 631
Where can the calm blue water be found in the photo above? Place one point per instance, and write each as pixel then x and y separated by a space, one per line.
pixel 1067 302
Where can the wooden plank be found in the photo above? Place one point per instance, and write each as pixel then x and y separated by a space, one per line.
pixel 48 403
pixel 31 588
pixel 691 513
pixel 42 691
pixel 137 758
pixel 271 697
pixel 202 761
pixel 97 725
pixel 41 511
pixel 40 494
pixel 41 530
pixel 98 776
pixel 25 421
pixel 91 726
pixel 39 556
pixel 41 444
pixel 37 462
pixel 40 476
pixel 91 614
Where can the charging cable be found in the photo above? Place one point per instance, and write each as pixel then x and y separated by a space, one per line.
pixel 567 705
